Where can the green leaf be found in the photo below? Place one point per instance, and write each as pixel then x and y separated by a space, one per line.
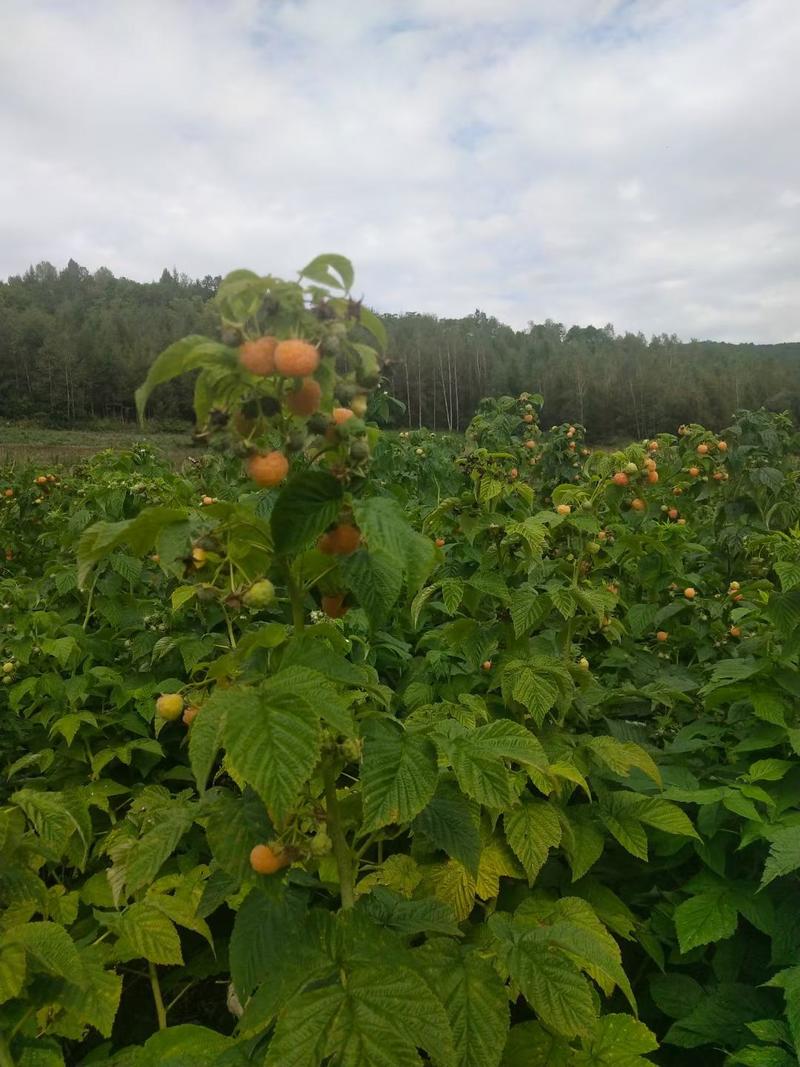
pixel 582 840
pixel 189 1046
pixel 621 756
pixel 617 1041
pixel 451 822
pixel 189 354
pixel 783 609
pixel 704 918
pixel 273 739
pixel 266 929
pixel 12 971
pixel 321 270
pixel 304 508
pixel 474 998
pixel 784 854
pixel 477 757
pixel 536 685
pixel 49 946
pixel 530 1045
pixel 375 580
pixel 370 321
pixel 386 529
pixel 140 534
pixel 208 729
pixel 532 830
pixel 452 594
pixel 143 931
pixel 553 986
pixel 96 1000
pixel 528 610
pixel 379 1017
pixel 398 775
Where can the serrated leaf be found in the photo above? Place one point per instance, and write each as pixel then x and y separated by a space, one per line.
pixel 621 756
pixel 386 529
pixel 50 947
pixel 532 830
pixel 208 728
pixel 528 610
pixel 474 998
pixel 304 508
pixel 784 854
pixel 12 971
pixel 398 774
pixel 451 822
pixel 273 738
pixel 554 987
pixel 617 1041
pixel 452 594
pixel 704 918
pixel 376 581
pixel 180 358
pixel 321 270
pixel 266 924
pixel 143 931
pixel 379 1018
pixel 100 539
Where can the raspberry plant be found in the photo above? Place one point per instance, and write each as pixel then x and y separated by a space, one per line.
pixel 324 764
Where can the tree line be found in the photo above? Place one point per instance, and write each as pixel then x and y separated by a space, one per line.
pixel 74 345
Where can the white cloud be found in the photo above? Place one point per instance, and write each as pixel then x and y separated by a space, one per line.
pixel 632 161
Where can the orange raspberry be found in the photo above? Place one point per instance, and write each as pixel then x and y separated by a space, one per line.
pixel 334 605
pixel 341 415
pixel 305 400
pixel 296 359
pixel 340 541
pixel 258 357
pixel 268 468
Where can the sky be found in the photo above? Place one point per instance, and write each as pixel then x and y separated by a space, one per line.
pixel 589 161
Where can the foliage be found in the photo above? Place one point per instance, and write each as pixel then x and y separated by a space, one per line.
pixel 74 345
pixel 520 753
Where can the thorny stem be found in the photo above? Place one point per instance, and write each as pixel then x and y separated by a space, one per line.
pixel 158 1000
pixel 341 850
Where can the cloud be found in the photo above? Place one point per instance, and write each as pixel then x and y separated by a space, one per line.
pixel 631 161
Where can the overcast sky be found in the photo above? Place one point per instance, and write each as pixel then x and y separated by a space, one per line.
pixel 591 161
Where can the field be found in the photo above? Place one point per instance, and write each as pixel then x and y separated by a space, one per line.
pixel 45 447
pixel 337 748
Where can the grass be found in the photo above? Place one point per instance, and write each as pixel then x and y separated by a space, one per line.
pixel 26 444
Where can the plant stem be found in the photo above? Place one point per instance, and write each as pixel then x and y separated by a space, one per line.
pixel 296 598
pixel 341 850
pixel 158 1000
pixel 6 1060
pixel 88 614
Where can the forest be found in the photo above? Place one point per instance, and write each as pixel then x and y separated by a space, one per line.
pixel 74 344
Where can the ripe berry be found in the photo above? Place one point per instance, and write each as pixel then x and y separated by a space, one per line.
pixel 735 631
pixel 662 635
pixel 341 415
pixel 340 541
pixel 258 357
pixel 702 450
pixel 296 359
pixel 673 513
pixel 638 504
pixel 486 665
pixel 169 706
pixel 527 417
pixel 722 446
pixel 334 606
pixel 268 468
pixel 530 444
pixel 652 477
pixel 694 471
pixel 190 714
pixel 440 542
pixel 652 446
pixel 563 509
pixel 265 860
pixel 620 478
pixel 513 473
pixel 690 593
pixel 305 400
